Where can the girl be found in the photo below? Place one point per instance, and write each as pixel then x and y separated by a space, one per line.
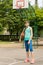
pixel 28 34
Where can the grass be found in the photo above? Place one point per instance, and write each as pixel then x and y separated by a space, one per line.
pixel 4 42
pixel 9 42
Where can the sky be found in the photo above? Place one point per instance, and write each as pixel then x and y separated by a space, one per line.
pixel 40 2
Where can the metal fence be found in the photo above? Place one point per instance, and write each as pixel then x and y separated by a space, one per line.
pixel 37 41
pixel 9 37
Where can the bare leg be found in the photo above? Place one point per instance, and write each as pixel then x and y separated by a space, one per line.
pixel 32 56
pixel 27 54
pixel 27 57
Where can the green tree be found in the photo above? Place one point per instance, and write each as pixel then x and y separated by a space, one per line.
pixel 39 16
pixel 14 19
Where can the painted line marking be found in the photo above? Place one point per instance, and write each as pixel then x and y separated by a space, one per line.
pixel 15 62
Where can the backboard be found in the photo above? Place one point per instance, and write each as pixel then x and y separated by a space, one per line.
pixel 20 4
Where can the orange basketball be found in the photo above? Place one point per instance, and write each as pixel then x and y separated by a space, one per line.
pixel 22 35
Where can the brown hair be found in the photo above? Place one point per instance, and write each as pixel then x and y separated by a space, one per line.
pixel 27 21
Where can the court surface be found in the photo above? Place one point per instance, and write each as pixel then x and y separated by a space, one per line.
pixel 16 56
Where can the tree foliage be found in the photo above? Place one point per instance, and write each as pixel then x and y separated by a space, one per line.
pixel 14 19
pixel 39 16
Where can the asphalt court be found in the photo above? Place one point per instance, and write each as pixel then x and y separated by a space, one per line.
pixel 12 56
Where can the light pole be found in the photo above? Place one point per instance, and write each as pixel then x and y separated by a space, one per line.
pixel 36 3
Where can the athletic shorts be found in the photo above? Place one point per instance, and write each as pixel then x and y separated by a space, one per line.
pixel 28 46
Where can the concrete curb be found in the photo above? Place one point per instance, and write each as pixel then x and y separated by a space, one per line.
pixel 12 45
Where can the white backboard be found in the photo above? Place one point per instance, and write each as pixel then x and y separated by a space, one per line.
pixel 20 4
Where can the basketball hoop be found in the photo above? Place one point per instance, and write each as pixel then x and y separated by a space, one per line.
pixel 20 4
pixel 19 7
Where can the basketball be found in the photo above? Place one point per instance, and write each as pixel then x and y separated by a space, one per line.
pixel 22 35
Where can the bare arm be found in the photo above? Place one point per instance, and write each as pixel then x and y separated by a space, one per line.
pixel 31 33
pixel 22 34
pixel 20 39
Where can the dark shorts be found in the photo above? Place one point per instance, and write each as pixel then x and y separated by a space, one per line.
pixel 28 46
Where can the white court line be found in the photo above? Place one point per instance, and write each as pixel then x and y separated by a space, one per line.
pixel 15 62
pixel 20 62
pixel 6 58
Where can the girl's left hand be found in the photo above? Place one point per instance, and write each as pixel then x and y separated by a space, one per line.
pixel 28 42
